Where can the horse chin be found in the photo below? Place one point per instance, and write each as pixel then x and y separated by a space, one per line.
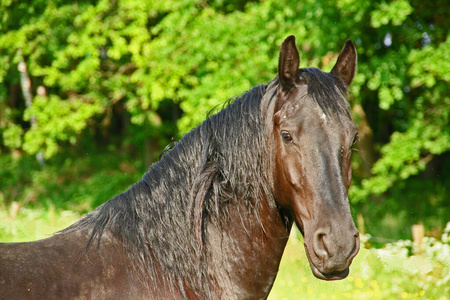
pixel 328 277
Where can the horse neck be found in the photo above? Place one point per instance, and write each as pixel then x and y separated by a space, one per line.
pixel 235 221
pixel 244 253
pixel 240 256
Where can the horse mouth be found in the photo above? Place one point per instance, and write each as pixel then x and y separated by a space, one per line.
pixel 338 275
pixel 329 277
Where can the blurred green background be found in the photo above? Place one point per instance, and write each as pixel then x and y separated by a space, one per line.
pixel 92 91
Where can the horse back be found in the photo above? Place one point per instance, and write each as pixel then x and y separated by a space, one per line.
pixel 60 267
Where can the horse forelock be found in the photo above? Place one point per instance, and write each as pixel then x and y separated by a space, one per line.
pixel 328 91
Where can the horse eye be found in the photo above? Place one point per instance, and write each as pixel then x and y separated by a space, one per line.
pixel 287 138
pixel 355 139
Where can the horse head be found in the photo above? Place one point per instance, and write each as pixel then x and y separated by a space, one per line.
pixel 313 134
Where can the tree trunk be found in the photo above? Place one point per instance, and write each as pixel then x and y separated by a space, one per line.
pixel 25 83
pixel 365 144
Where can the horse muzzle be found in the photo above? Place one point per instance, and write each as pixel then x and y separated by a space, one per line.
pixel 330 258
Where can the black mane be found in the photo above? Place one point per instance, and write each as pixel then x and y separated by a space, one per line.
pixel 164 215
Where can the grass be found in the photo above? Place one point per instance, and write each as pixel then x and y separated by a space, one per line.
pixel 33 224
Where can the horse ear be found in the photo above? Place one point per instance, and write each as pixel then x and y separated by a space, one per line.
pixel 346 63
pixel 288 63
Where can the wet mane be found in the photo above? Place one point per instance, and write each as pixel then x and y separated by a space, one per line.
pixel 163 217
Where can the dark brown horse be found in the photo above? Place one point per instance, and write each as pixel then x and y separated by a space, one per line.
pixel 211 219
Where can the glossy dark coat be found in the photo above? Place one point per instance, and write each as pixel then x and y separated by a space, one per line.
pixel 212 217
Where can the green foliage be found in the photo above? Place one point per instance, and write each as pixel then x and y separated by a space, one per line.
pixel 12 136
pixel 77 183
pixel 404 155
pixel 56 121
pixel 430 64
pixel 428 132
pixel 395 12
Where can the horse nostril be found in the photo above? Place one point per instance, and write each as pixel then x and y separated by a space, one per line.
pixel 355 249
pixel 320 247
